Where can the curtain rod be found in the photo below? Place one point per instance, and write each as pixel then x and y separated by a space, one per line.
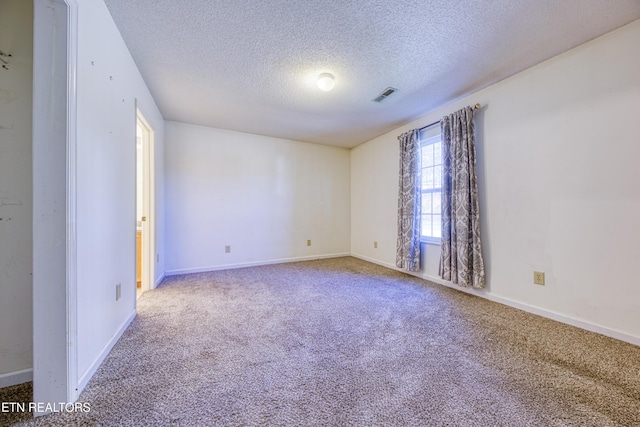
pixel 475 107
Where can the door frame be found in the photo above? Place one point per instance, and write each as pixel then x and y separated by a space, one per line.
pixel 55 348
pixel 149 206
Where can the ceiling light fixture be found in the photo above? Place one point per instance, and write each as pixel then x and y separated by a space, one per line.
pixel 326 82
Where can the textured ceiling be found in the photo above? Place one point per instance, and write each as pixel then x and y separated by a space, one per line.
pixel 250 65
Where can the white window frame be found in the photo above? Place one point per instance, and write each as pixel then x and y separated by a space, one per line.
pixel 429 136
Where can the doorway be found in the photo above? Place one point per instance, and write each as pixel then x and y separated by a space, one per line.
pixel 144 202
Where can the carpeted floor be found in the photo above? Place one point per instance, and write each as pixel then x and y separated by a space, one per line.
pixel 342 342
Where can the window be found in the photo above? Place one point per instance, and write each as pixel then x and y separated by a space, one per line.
pixel 431 150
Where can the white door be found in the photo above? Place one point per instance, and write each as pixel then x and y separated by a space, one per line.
pixel 144 206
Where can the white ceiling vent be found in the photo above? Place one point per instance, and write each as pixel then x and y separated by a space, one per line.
pixel 388 91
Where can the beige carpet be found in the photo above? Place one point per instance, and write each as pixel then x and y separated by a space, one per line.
pixel 342 342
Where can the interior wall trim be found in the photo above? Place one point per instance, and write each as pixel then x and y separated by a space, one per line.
pixel 93 367
pixel 602 330
pixel 253 264
pixel 159 280
pixel 16 377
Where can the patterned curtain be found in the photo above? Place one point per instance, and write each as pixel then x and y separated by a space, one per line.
pixel 409 202
pixel 461 251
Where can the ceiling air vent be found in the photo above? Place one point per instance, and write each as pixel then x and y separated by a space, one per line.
pixel 388 91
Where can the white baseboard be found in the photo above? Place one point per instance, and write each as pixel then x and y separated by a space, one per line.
pixel 16 377
pixel 609 332
pixel 375 261
pixel 160 279
pixel 88 373
pixel 253 264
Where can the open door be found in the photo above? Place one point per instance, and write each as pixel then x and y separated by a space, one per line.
pixel 144 204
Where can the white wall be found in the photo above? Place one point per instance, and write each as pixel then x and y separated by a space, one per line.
pixel 558 153
pixel 262 196
pixel 16 38
pixel 109 88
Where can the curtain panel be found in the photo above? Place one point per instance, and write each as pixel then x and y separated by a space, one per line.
pixel 409 202
pixel 461 259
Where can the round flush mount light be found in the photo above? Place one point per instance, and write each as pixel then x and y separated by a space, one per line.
pixel 326 82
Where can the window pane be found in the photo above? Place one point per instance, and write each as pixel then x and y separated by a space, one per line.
pixel 427 178
pixel 425 160
pixel 431 182
pixel 437 177
pixel 437 225
pixel 426 203
pixel 427 155
pixel 426 225
pixel 437 202
pixel 437 153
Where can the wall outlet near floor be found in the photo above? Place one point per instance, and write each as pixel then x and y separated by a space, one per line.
pixel 309 242
pixel 375 245
pixel 538 277
pixel 118 291
pixel 227 249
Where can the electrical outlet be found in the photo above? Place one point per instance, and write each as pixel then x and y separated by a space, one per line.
pixel 309 242
pixel 118 291
pixel 538 277
pixel 375 245
pixel 227 249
